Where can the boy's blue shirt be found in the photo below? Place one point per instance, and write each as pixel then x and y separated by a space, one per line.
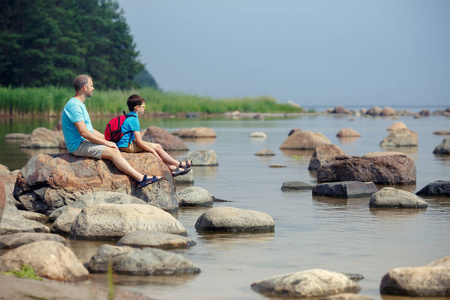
pixel 74 111
pixel 130 124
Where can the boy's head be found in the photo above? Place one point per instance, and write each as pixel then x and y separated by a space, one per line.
pixel 134 100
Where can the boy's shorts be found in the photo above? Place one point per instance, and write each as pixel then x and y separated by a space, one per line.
pixel 89 149
pixel 132 148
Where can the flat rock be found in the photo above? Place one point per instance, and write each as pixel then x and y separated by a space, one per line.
pixel 395 198
pixel 443 147
pixel 439 188
pixel 113 221
pixel 234 219
pixel 265 152
pixel 296 185
pixel 305 284
pixel 49 259
pixel 345 189
pixel 195 196
pixel 203 158
pixel 155 239
pixel 133 261
pixel 304 140
pixel 11 241
pixel 167 141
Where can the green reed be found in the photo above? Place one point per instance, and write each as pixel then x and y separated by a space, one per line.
pixel 51 100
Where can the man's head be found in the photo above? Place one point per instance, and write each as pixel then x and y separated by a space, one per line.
pixel 83 84
pixel 135 100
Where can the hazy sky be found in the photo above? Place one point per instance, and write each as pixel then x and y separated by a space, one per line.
pixel 322 52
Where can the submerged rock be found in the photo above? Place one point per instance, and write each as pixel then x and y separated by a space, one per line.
pixel 155 239
pixel 296 185
pixel 265 152
pixel 345 189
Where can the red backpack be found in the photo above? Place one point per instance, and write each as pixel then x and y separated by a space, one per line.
pixel 113 130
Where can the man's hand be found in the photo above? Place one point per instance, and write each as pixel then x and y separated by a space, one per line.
pixel 111 145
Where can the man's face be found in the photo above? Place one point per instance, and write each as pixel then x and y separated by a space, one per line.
pixel 89 88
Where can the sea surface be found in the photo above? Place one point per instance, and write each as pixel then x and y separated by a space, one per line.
pixel 342 235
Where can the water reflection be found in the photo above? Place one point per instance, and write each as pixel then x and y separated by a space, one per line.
pixel 303 153
pixel 348 140
pixel 143 282
pixel 396 214
pixel 230 238
pixel 204 171
pixel 30 152
pixel 199 141
pixel 406 150
pixel 84 250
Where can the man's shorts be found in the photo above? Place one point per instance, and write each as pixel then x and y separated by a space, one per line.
pixel 89 149
pixel 132 148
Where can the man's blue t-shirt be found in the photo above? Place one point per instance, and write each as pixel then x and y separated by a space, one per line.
pixel 130 124
pixel 73 112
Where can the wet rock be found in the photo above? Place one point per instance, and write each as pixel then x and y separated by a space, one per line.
pixel 197 132
pixel 400 138
pixel 305 284
pixel 13 222
pixel 44 138
pixel 48 182
pixel 345 189
pixel 304 140
pixel 167 141
pixel 439 188
pixel 265 152
pixel 397 126
pixel 348 132
pixel 296 185
pixel 203 158
pixel 155 239
pixel 324 154
pixel 49 259
pixel 113 221
pixel 443 147
pixel 395 198
pixel 432 280
pixel 234 219
pixel 258 134
pixel 133 261
pixel 195 196
pixel 388 168
pixel 11 241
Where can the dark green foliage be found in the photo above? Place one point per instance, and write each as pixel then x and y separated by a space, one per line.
pixel 145 79
pixel 50 42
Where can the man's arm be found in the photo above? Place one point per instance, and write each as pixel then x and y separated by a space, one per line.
pixel 95 137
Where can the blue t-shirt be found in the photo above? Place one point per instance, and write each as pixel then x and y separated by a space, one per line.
pixel 129 125
pixel 74 111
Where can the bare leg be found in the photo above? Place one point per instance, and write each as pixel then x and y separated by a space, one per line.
pixel 121 163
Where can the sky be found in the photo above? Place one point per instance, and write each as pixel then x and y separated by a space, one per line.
pixel 321 52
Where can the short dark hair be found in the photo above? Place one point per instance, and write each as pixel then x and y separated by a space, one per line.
pixel 134 100
pixel 81 81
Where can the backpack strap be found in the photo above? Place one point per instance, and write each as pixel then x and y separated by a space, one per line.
pixel 127 116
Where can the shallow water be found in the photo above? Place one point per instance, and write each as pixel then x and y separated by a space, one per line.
pixel 342 235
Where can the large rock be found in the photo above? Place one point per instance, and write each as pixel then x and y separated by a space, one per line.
pixel 13 222
pixel 147 261
pixel 397 126
pixel 387 111
pixel 439 188
pixel 389 168
pixel 234 219
pixel 49 259
pixel 195 196
pixel 324 154
pixel 160 136
pixel 197 132
pixel 203 157
pixel 443 147
pixel 345 189
pixel 113 221
pixel 304 140
pixel 401 138
pixel 348 132
pixel 64 221
pixel 374 111
pixel 395 198
pixel 9 180
pixel 11 241
pixel 432 280
pixel 306 284
pixel 155 239
pixel 48 182
pixel 44 138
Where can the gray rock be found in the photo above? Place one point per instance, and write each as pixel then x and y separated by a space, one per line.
pixel 265 152
pixel 113 221
pixel 443 147
pixel 133 261
pixel 49 259
pixel 234 219
pixel 296 185
pixel 203 157
pixel 439 188
pixel 309 283
pixel 395 198
pixel 187 178
pixel 432 280
pixel 11 241
pixel 44 138
pixel 195 196
pixel 155 239
pixel 324 154
pixel 401 138
pixel 345 189
pixel 63 223
pixel 13 222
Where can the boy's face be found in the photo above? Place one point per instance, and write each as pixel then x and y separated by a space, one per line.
pixel 140 109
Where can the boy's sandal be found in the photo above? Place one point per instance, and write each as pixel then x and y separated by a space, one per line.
pixel 187 164
pixel 146 181
pixel 177 172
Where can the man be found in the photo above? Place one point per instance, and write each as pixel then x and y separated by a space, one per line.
pixel 83 140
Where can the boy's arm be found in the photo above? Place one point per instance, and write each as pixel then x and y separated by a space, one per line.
pixel 95 137
pixel 144 145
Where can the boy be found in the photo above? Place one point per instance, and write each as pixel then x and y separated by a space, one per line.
pixel 132 141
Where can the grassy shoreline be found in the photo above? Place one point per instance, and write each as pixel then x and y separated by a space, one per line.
pixel 49 101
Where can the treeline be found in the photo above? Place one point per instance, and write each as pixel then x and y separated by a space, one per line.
pixel 50 42
pixel 51 100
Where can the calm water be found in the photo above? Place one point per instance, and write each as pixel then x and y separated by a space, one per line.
pixel 310 232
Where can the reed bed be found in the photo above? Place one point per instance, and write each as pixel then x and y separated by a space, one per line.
pixel 51 100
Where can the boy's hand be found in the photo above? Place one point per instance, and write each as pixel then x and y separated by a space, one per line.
pixel 155 153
